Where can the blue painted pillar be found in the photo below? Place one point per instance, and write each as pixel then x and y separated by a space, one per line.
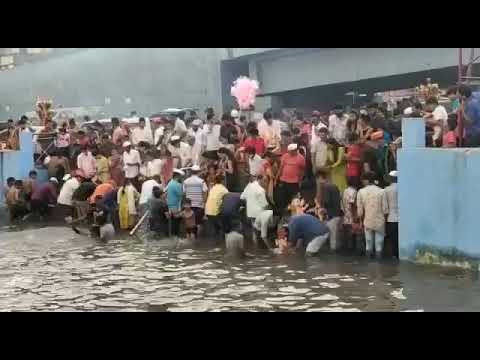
pixel 413 133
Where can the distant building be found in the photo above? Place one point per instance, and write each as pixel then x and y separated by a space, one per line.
pixel 150 79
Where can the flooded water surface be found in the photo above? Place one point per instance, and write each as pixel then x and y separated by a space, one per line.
pixel 53 269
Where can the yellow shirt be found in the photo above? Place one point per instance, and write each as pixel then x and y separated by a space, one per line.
pixel 215 199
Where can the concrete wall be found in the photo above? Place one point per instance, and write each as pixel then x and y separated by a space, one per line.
pixel 438 200
pixel 238 52
pixel 153 78
pixel 16 164
pixel 316 67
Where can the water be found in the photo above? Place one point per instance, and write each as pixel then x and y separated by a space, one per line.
pixel 53 269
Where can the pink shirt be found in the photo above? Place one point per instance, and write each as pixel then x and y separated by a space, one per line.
pixel 450 139
pixel 293 166
pixel 87 164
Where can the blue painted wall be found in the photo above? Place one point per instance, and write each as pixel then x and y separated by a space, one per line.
pixel 16 163
pixel 438 197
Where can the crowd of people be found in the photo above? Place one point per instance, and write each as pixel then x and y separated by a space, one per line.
pixel 294 184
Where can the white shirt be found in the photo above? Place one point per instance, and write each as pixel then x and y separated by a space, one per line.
pixel 180 127
pixel 66 193
pixel 184 152
pixel 263 222
pixel 440 113
pixel 151 168
pixel 255 165
pixel 320 150
pixel 147 190
pixel 254 195
pixel 158 134
pixel 212 136
pixel 370 205
pixel 154 167
pixel 200 143
pixel 194 187
pixel 270 133
pixel 133 157
pixel 338 128
pixel 390 202
pixel 139 135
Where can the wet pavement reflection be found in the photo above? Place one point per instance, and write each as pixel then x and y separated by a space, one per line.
pixel 53 269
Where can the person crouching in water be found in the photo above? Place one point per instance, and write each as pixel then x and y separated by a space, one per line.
pixel 16 201
pixel 158 212
pixel 283 247
pixel 234 241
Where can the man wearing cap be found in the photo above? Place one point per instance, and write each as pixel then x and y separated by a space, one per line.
pixel 269 130
pixel 180 150
pixel 289 176
pixel 235 114
pixel 132 162
pixel 87 163
pixel 44 196
pixel 142 133
pixel 198 146
pixel 390 206
pixel 65 199
pixel 174 192
pixel 196 190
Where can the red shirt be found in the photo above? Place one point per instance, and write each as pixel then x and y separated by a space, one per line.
pixel 293 166
pixel 354 167
pixel 256 143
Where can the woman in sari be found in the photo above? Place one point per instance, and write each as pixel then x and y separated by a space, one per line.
pixel 102 167
pixel 127 198
pixel 115 162
pixel 336 161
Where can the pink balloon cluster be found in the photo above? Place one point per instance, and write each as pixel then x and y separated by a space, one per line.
pixel 245 91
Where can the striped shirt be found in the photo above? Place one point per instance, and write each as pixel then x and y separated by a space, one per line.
pixel 194 187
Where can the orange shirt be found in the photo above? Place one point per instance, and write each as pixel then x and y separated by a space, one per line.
pixel 100 190
pixel 293 166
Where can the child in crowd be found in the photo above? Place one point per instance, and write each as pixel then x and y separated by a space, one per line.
pixel 450 137
pixel 298 206
pixel 188 218
pixel 29 184
pixel 350 218
pixel 10 184
pixel 283 248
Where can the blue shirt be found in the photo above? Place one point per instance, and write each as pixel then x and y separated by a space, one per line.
pixel 306 227
pixel 174 195
pixel 231 204
pixel 472 110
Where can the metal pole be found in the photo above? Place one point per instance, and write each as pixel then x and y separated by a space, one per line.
pixel 460 65
pixel 460 110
